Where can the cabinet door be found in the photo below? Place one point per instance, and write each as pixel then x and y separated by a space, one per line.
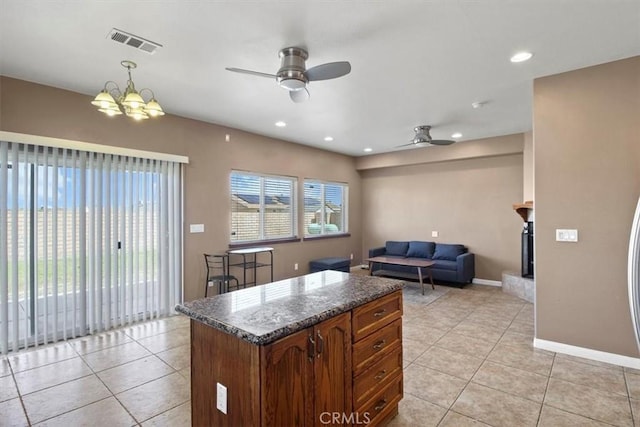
pixel 333 384
pixel 287 375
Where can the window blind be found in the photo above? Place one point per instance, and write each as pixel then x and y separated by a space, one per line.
pixel 325 208
pixel 94 242
pixel 262 207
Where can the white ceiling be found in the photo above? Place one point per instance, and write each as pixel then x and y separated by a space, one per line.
pixel 413 62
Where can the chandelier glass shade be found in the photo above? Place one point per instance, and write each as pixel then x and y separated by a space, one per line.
pixel 113 102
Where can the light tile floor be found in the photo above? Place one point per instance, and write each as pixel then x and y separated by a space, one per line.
pixel 136 375
pixel 468 353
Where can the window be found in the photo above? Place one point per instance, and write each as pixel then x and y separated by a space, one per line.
pixel 325 208
pixel 262 207
pixel 88 241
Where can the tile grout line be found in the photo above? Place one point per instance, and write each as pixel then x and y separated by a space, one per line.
pixel 15 383
pixel 474 373
pixel 152 354
pixel 467 381
pixel 447 410
pixel 626 384
pixel 546 388
pixel 24 408
pixel 485 359
pixel 95 373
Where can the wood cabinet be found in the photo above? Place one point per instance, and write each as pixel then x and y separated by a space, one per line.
pixel 377 358
pixel 350 365
pixel 307 374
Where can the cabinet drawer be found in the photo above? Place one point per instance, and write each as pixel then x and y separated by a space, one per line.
pixel 383 403
pixel 372 316
pixel 378 375
pixel 376 346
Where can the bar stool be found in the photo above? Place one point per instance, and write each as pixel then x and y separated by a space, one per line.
pixel 218 272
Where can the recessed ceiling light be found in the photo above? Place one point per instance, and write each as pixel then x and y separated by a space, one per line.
pixel 328 138
pixel 281 124
pixel 456 135
pixel 521 56
pixel 478 104
pixel 368 150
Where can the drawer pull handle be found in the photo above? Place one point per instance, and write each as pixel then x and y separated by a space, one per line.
pixel 380 312
pixel 381 404
pixel 381 375
pixel 379 344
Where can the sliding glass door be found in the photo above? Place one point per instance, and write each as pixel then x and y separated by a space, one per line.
pixel 88 241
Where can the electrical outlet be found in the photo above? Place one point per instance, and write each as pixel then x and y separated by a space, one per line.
pixel 434 234
pixel 295 266
pixel 221 398
pixel 352 256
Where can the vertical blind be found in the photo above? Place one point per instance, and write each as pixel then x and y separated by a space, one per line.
pixel 262 207
pixel 88 241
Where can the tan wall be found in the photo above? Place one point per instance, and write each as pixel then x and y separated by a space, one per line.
pixel 527 167
pixel 587 176
pixel 466 201
pixel 41 110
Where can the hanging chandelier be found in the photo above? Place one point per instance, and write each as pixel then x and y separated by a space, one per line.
pixel 112 101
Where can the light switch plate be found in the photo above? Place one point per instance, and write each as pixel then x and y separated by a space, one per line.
pixel 196 228
pixel 221 398
pixel 566 235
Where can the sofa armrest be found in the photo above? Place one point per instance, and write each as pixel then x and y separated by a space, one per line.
pixel 466 267
pixel 377 251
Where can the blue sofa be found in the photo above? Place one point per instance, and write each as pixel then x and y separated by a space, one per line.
pixel 453 263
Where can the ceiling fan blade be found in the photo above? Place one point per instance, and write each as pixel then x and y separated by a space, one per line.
pixel 441 142
pixel 253 73
pixel 328 71
pixel 299 95
pixel 415 144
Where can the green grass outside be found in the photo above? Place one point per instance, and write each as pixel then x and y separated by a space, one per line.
pixel 61 277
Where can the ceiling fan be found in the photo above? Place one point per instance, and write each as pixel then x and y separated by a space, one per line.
pixel 423 138
pixel 293 75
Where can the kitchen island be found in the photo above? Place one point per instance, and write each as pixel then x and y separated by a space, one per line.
pixel 320 349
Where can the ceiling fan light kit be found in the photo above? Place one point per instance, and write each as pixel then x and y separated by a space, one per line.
pixel 293 74
pixel 113 102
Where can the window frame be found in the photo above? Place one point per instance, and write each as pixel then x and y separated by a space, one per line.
pixel 323 234
pixel 262 238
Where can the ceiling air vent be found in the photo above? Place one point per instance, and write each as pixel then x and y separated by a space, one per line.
pixel 137 42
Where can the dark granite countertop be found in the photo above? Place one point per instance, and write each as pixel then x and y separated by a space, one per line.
pixel 263 314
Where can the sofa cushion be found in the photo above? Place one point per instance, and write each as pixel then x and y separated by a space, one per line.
pixel 420 249
pixel 448 252
pixel 443 264
pixel 396 248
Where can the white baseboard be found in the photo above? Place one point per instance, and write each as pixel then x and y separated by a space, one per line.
pixel 487 282
pixel 587 353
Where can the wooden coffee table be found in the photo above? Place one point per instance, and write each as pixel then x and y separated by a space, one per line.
pixel 410 262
